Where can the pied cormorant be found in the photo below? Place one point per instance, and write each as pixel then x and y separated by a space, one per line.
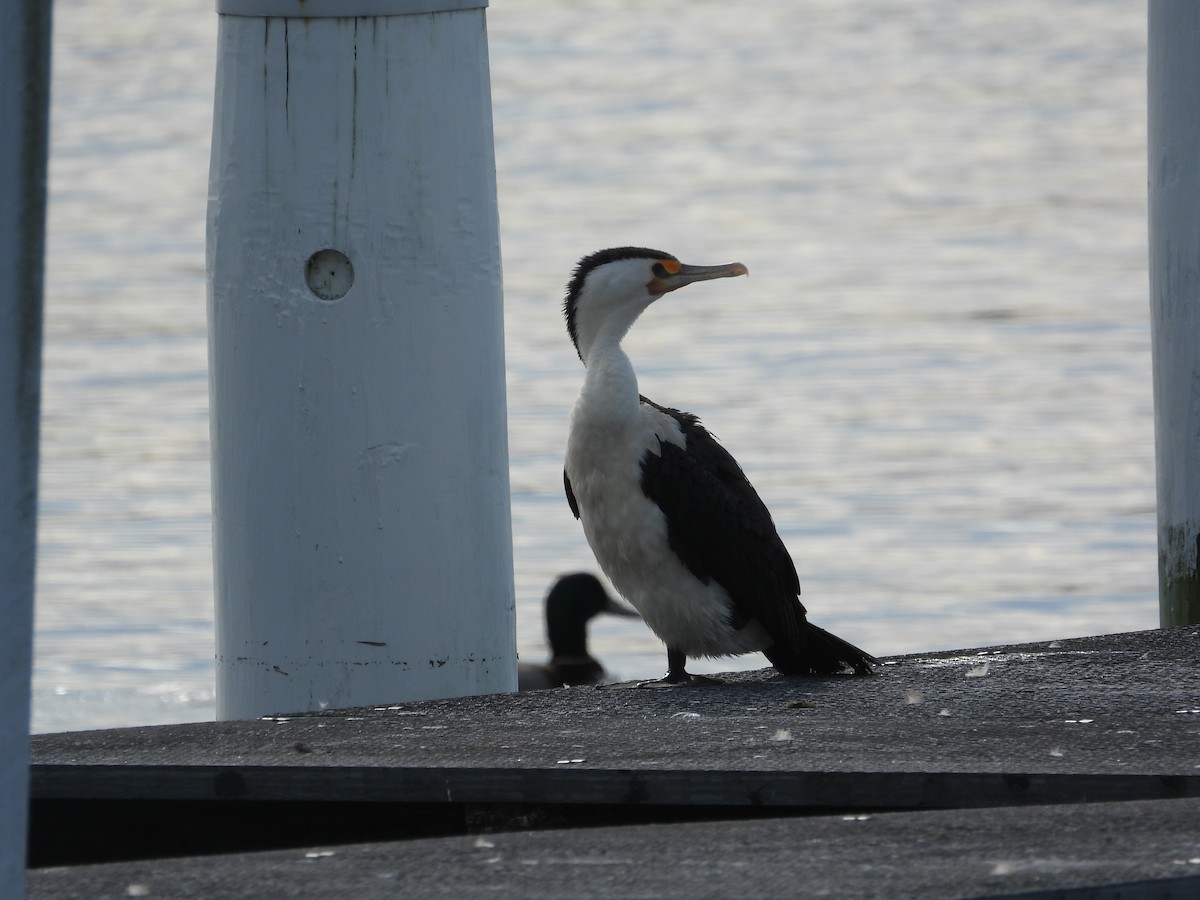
pixel 673 522
pixel 572 602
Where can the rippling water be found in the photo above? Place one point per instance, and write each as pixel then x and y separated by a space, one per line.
pixel 938 374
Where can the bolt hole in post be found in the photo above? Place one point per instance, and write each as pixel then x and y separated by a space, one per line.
pixel 329 274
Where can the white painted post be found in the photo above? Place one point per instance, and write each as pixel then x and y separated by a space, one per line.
pixel 24 106
pixel 1174 180
pixel 362 535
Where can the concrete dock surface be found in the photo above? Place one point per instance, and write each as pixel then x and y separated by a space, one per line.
pixel 1059 766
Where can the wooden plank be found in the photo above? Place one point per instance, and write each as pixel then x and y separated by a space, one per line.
pixel 720 787
pixel 1094 850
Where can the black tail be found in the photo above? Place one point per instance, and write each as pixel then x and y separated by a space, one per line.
pixel 822 654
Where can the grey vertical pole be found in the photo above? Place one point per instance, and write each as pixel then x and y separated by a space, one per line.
pixel 1174 184
pixel 361 527
pixel 24 105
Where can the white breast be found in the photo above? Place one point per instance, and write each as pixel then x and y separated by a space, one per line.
pixel 628 533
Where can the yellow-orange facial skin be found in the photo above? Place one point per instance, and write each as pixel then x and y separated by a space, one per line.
pixel 671 275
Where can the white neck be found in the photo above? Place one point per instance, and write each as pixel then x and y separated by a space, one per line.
pixel 599 330
pixel 610 388
pixel 610 304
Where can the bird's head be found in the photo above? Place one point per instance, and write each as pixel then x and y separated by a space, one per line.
pixel 579 597
pixel 611 288
pixel 574 600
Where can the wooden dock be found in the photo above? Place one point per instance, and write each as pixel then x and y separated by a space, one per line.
pixel 1065 769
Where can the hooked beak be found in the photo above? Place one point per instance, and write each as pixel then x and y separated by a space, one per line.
pixel 688 274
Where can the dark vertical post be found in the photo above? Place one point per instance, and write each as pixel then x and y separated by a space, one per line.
pixel 24 105
pixel 1174 184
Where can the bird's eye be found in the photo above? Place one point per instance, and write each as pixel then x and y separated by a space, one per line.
pixel 665 267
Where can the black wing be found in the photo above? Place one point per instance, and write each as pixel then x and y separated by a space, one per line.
pixel 571 501
pixel 722 531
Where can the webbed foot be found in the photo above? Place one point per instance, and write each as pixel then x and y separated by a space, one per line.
pixel 677 673
pixel 679 679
